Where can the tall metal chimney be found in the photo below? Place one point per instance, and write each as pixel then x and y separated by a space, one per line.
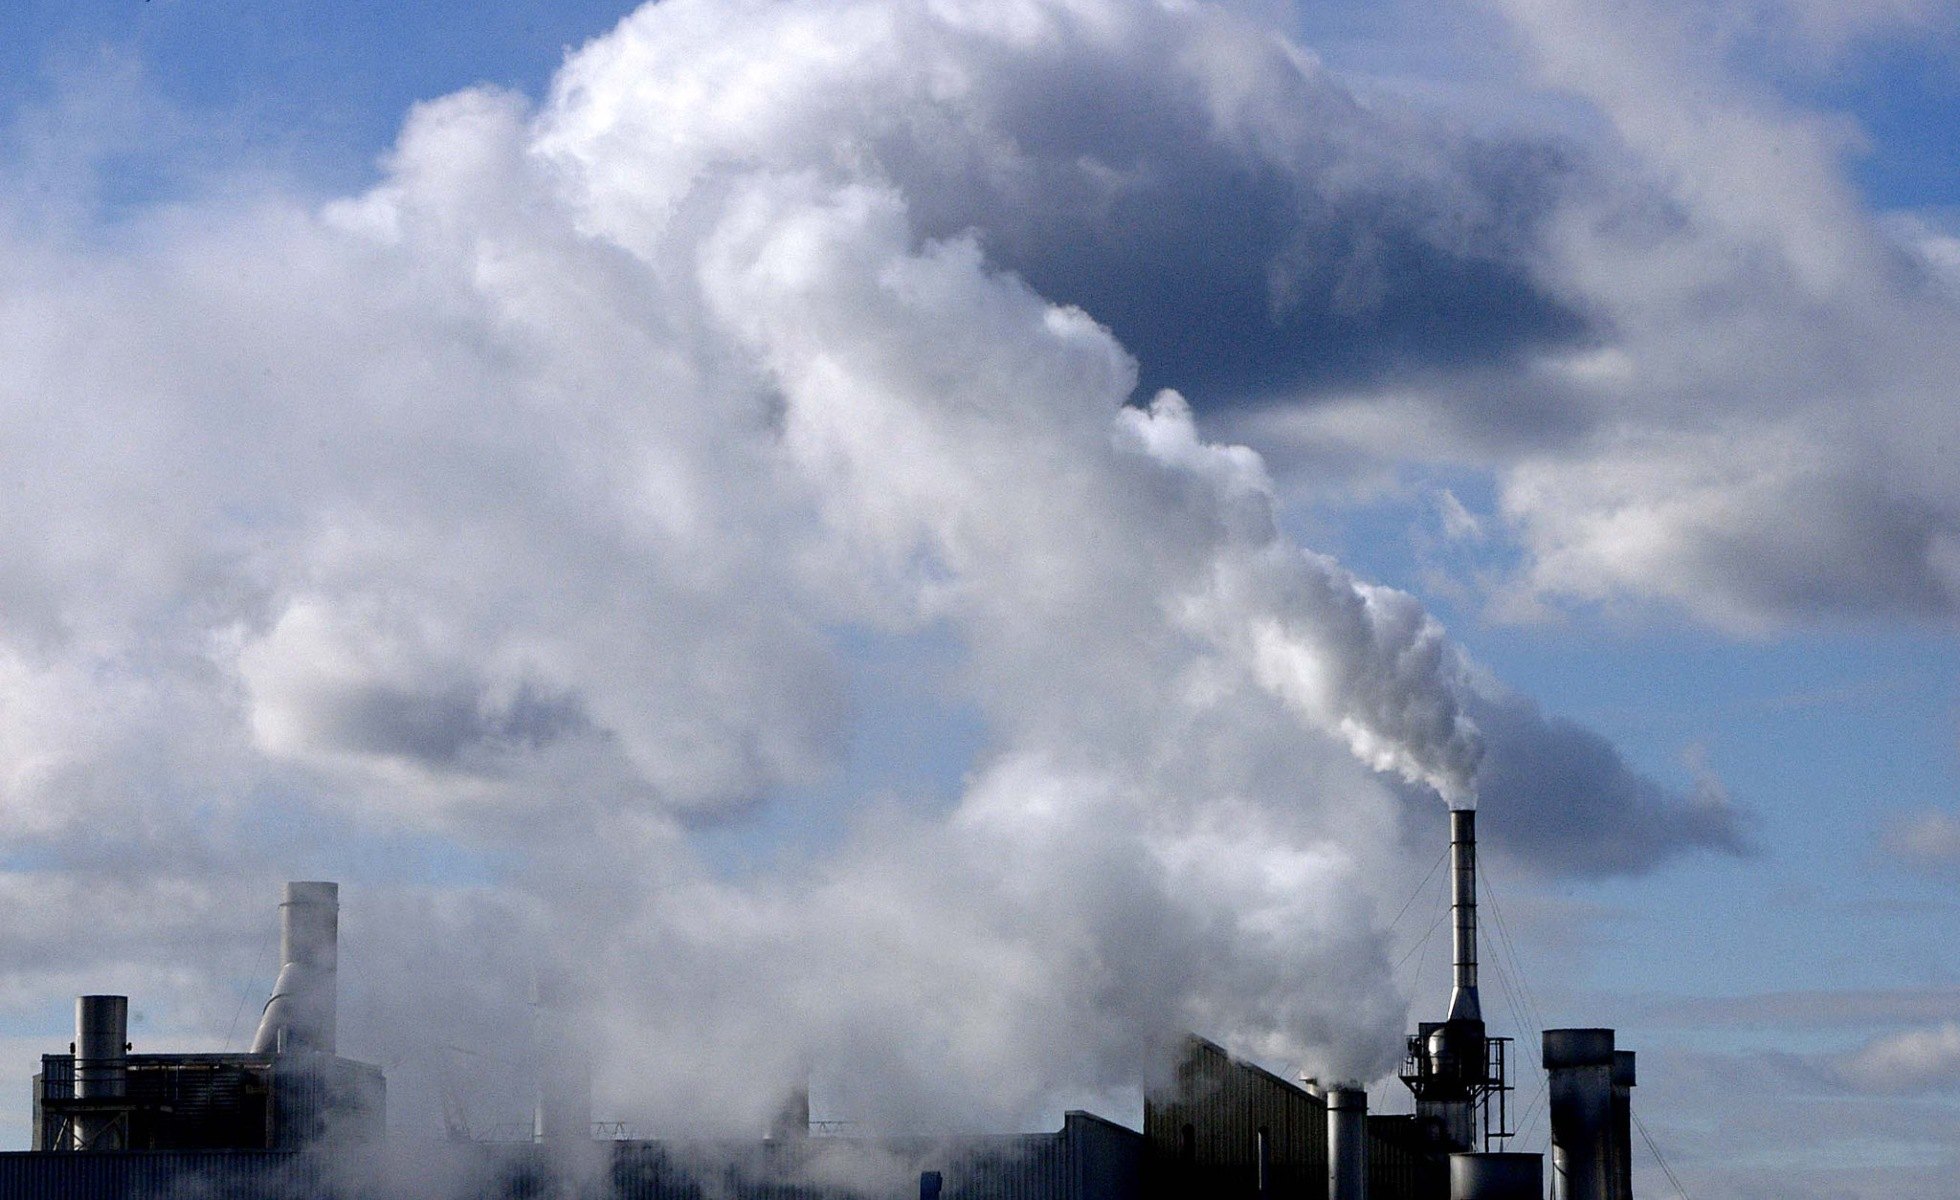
pixel 1450 1066
pixel 301 1015
pixel 1464 1005
pixel 101 1071
pixel 1579 1072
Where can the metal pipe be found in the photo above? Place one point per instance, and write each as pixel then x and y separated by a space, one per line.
pixel 1623 1081
pixel 101 1070
pixel 1497 1176
pixel 1347 1143
pixel 1464 1004
pixel 301 1015
pixel 1579 1071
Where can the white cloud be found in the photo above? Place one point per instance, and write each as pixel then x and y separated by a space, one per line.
pixel 1742 527
pixel 1926 841
pixel 1912 1060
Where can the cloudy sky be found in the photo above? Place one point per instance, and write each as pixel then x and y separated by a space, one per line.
pixel 930 546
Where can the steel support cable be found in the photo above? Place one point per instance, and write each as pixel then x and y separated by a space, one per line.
pixel 1510 986
pixel 1507 946
pixel 1418 892
pixel 1433 926
pixel 245 993
pixel 1656 1152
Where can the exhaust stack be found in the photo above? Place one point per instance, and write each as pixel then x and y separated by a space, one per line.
pixel 101 1071
pixel 1347 1143
pixel 1624 1078
pixel 1464 1005
pixel 563 1117
pixel 1579 1066
pixel 1453 1067
pixel 301 1013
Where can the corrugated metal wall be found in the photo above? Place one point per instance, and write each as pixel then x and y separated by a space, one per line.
pixel 1089 1159
pixel 1106 1159
pixel 1202 1133
pixel 1403 1164
pixel 162 1175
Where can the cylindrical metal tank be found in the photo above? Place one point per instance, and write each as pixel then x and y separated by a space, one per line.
pixel 1579 1073
pixel 1497 1176
pixel 302 1012
pixel 1347 1143
pixel 1623 1081
pixel 101 1069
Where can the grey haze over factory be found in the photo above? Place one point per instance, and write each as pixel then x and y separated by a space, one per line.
pixel 580 495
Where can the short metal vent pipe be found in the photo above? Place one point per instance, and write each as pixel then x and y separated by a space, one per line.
pixel 1347 1143
pixel 101 1069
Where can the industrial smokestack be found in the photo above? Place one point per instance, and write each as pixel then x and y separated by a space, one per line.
pixel 1623 1080
pixel 101 1071
pixel 1451 1058
pixel 301 1013
pixel 1464 1005
pixel 1347 1143
pixel 1579 1070
pixel 564 1110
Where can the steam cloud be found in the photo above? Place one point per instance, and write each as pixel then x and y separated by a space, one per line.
pixel 525 507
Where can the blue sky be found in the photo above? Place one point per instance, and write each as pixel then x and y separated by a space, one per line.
pixel 1821 700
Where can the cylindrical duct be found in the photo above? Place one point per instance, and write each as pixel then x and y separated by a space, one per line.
pixel 301 1014
pixel 101 1068
pixel 1623 1080
pixel 1464 1004
pixel 1347 1143
pixel 1495 1176
pixel 1579 1071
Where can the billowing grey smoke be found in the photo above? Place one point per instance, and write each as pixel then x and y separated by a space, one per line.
pixel 528 503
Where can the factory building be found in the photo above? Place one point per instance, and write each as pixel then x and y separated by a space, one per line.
pixel 292 1119
pixel 291 1091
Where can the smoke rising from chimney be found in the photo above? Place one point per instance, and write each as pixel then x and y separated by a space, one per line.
pixel 530 502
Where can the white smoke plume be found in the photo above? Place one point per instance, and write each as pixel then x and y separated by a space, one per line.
pixel 525 507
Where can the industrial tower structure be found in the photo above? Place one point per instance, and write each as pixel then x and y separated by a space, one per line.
pixel 1456 1070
